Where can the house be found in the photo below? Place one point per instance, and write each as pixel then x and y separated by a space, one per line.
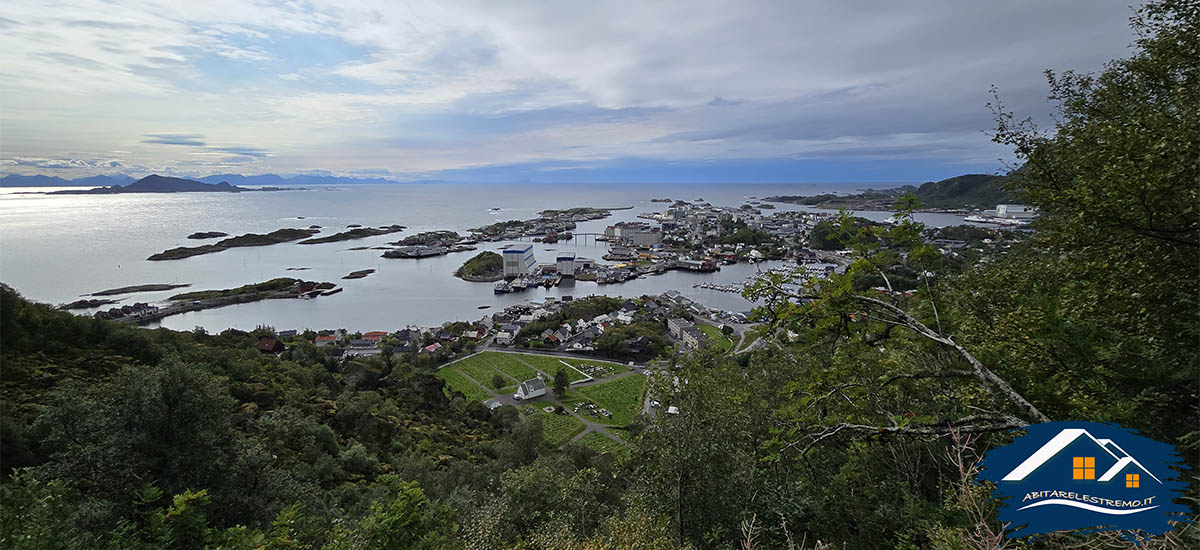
pixel 504 338
pixel 431 348
pixel 270 345
pixel 444 335
pixel 637 345
pixel 325 339
pixel 534 387
pixel 374 336
pixel 362 343
pixel 286 333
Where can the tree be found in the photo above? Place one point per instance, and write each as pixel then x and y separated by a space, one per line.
pixel 561 383
pixel 497 382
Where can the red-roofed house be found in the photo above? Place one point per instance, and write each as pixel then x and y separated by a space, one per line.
pixel 374 336
pixel 325 340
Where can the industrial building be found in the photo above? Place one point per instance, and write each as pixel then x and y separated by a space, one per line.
pixel 566 264
pixel 518 260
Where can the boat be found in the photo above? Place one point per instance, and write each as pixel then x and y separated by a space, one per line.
pixel 976 218
pixel 494 209
pixel 502 287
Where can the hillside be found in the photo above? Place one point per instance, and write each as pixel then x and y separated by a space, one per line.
pixel 966 191
pixel 969 191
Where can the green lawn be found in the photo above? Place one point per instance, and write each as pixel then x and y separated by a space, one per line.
pixel 507 363
pixel 715 338
pixel 558 429
pixel 481 372
pixel 601 443
pixel 456 381
pixel 619 396
pixel 550 365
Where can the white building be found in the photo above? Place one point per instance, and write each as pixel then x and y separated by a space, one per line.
pixel 566 264
pixel 518 260
pixel 534 387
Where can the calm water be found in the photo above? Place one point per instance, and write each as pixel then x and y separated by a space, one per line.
pixel 54 248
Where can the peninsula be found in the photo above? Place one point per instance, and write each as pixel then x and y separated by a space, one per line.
pixel 966 192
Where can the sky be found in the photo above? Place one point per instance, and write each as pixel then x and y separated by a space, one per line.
pixel 755 91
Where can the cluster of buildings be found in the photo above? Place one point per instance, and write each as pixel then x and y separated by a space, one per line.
pixel 133 311
pixel 423 340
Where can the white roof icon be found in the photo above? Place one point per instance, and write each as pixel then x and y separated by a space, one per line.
pixel 1060 442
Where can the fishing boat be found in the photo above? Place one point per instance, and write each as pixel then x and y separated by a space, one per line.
pixel 502 287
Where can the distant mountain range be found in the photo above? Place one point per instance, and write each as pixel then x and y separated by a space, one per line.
pixel 15 180
pixel 155 183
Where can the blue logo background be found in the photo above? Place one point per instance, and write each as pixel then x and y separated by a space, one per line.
pixel 1043 482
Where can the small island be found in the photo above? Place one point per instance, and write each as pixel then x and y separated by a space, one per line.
pixel 138 288
pixel 249 239
pixel 485 267
pixel 359 274
pixel 207 235
pixel 360 233
pixel 275 289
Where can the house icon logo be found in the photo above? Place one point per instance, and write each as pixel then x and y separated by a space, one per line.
pixel 1085 475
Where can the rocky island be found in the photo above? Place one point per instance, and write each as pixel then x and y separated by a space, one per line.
pixel 359 274
pixel 249 239
pixel 138 288
pixel 485 267
pixel 550 222
pixel 359 233
pixel 207 235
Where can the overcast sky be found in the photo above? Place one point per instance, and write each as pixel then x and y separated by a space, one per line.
pixel 496 91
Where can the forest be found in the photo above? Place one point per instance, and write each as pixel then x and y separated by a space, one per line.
pixel 860 426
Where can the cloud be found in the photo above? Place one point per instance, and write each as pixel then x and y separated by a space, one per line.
pixel 425 86
pixel 189 140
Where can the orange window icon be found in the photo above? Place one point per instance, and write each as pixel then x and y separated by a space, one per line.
pixel 1133 481
pixel 1084 467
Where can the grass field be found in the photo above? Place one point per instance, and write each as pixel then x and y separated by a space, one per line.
pixel 456 381
pixel 507 363
pixel 602 444
pixel 715 338
pixel 550 365
pixel 480 371
pixel 619 396
pixel 556 428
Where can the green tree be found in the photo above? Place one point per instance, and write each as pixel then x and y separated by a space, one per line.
pixel 497 381
pixel 561 383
